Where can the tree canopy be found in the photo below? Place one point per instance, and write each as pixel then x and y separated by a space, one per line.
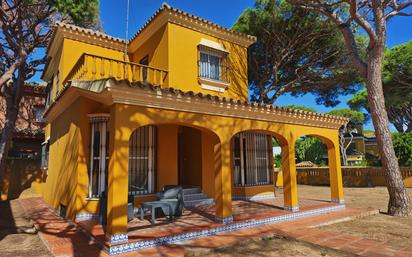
pixel 356 118
pixel 310 148
pixel 300 107
pixel 296 52
pixel 397 85
pixel 25 29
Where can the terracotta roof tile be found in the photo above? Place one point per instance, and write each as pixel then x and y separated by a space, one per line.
pixel 167 7
pixel 90 32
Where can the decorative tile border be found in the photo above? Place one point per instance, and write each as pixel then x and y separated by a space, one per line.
pixel 339 201
pixel 291 208
pixel 118 238
pixel 86 216
pixel 225 220
pixel 134 246
pixel 253 198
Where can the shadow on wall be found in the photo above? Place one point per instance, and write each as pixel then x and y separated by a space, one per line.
pixel 20 175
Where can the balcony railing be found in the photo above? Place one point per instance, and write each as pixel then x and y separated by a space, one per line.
pixel 92 67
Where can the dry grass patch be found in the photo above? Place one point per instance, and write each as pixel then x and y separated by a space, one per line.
pixel 271 246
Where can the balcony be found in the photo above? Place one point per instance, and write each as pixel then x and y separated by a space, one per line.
pixel 93 67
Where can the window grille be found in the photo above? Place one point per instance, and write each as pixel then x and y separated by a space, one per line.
pixel 213 64
pixel 142 161
pixel 38 113
pixel 99 155
pixel 252 159
pixel 45 155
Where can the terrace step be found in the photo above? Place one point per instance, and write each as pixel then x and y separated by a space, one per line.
pixel 192 190
pixel 189 197
pixel 193 196
pixel 199 202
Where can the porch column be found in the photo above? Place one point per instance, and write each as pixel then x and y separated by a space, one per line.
pixel 335 172
pixel 117 194
pixel 290 188
pixel 223 182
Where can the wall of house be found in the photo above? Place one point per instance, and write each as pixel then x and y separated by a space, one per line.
pixel 183 63
pixel 373 150
pixel 61 182
pixel 156 48
pixel 210 155
pixel 249 191
pixel 167 155
pixel 68 55
pixel 67 174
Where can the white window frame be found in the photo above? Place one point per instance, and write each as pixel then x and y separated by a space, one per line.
pixel 251 164
pixel 211 48
pixel 98 122
pixel 147 153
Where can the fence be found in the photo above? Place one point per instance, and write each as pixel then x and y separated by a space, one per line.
pixel 351 176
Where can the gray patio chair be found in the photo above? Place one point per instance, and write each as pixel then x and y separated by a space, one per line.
pixel 170 201
pixel 173 195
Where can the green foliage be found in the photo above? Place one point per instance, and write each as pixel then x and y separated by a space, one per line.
pixel 356 118
pixel 359 102
pixel 296 52
pixel 397 74
pixel 311 149
pixel 81 12
pixel 277 160
pixel 402 143
pixel 300 107
pixel 275 142
pixel 397 86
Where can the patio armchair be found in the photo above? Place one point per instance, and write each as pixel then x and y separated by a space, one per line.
pixel 172 195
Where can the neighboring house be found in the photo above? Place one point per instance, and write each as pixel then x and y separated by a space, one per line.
pixel 23 162
pixel 362 148
pixel 174 110
pixel 28 135
pixel 305 164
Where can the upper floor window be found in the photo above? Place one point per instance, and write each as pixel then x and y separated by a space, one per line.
pixel 213 64
pixel 57 83
pixel 38 113
pixel 145 62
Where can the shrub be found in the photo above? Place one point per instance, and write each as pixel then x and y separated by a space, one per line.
pixel 402 143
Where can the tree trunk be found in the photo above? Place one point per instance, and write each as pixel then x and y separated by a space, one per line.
pixel 13 97
pixel 399 201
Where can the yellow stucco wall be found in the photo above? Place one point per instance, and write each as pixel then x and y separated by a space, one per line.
pixel 167 155
pixel 61 183
pixel 157 50
pixel 253 190
pixel 183 66
pixel 67 179
pixel 69 53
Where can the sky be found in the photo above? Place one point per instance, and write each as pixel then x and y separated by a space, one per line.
pixel 224 13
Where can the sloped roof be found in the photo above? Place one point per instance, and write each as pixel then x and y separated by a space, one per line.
pixel 193 19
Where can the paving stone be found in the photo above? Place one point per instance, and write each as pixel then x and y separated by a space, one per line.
pixel 66 238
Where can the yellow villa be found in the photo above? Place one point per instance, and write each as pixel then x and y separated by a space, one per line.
pixel 167 107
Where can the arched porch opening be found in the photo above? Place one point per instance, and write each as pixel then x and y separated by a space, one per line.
pixel 172 154
pixel 318 163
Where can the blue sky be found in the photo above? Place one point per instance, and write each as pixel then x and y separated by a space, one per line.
pixel 225 13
